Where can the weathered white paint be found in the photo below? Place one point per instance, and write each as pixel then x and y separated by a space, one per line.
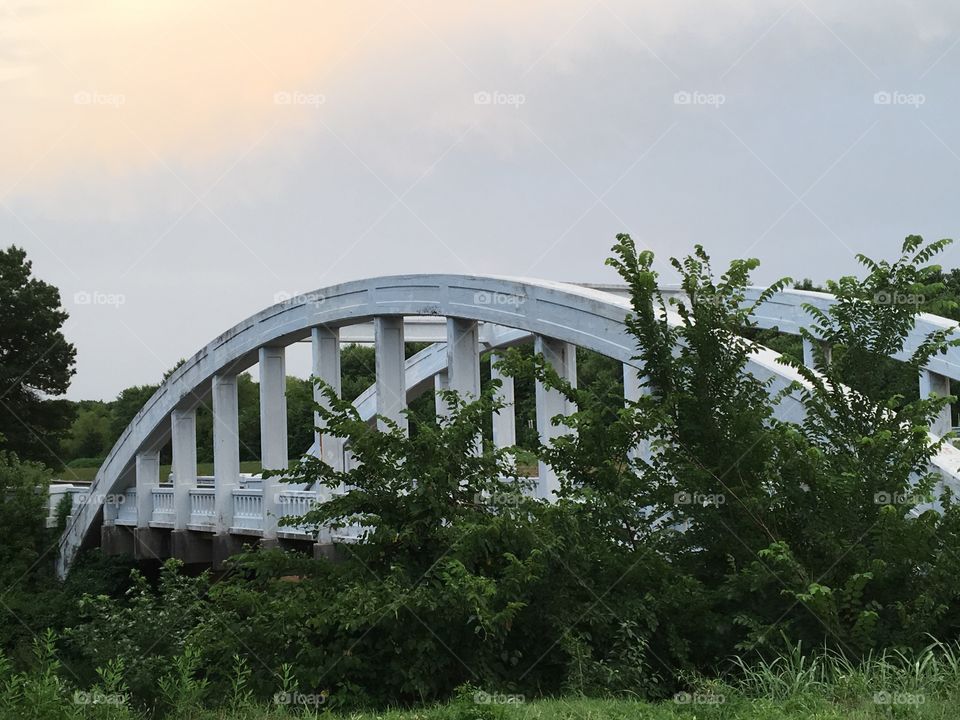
pixel 226 448
pixel 391 377
pixel 326 367
pixel 585 317
pixel 184 448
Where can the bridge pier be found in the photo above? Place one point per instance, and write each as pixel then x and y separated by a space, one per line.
pixel 191 547
pixel 932 383
pixel 116 540
pixel 810 355
pixel 151 544
pixel 223 546
pixel 505 419
pixel 183 426
pixel 390 370
pixel 550 403
pixel 326 367
pixel 441 381
pixel 226 449
pixel 633 390
pixel 273 431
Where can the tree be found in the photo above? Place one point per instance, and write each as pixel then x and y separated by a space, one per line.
pixel 90 435
pixel 35 360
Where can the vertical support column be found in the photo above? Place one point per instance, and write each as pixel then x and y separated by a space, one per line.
pixel 441 381
pixel 562 357
pixel 110 511
pixel 391 372
pixel 633 390
pixel 226 448
pixel 183 426
pixel 273 430
pixel 326 367
pixel 463 362
pixel 809 357
pixel 463 357
pixel 932 383
pixel 505 420
pixel 148 477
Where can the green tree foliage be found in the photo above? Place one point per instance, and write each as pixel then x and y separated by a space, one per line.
pixel 35 361
pixel 90 435
pixel 709 518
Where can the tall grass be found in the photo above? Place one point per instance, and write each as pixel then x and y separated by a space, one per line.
pixel 882 677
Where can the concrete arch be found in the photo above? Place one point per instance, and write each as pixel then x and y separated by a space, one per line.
pixel 573 314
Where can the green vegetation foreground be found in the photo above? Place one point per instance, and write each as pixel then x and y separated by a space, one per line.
pixel 737 535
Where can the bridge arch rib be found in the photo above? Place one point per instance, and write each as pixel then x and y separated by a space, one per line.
pixel 571 314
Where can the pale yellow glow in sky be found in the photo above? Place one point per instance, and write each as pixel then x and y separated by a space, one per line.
pixel 104 88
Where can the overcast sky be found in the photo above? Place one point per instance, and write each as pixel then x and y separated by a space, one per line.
pixel 173 166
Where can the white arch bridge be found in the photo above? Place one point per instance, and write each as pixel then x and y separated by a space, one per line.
pixel 204 520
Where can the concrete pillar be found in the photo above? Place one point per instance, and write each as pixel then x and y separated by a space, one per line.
pixel 391 371
pixel 441 381
pixel 463 357
pixel 183 425
pixel 326 367
pixel 226 448
pixel 809 358
pixel 148 477
pixel 504 421
pixel 932 383
pixel 149 543
pixel 110 511
pixel 562 357
pixel 633 390
pixel 273 430
pixel 463 362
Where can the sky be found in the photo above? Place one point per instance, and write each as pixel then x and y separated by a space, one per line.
pixel 176 167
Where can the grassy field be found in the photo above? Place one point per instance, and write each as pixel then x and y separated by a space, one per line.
pixel 732 708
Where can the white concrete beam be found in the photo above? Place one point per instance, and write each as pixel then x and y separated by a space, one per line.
pixel 562 357
pixel 148 477
pixel 441 381
pixel 633 390
pixel 809 356
pixel 932 383
pixel 273 430
pixel 391 373
pixel 505 420
pixel 183 426
pixel 226 448
pixel 326 367
pixel 463 357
